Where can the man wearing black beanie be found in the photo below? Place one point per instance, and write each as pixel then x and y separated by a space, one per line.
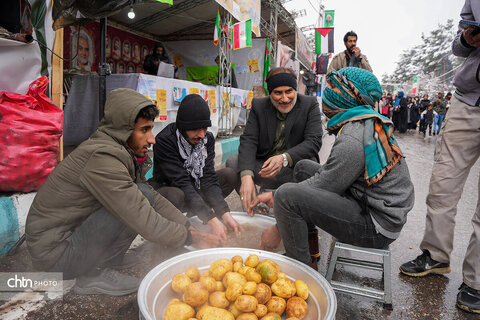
pixel 184 169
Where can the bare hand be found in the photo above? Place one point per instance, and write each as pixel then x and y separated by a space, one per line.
pixel 272 166
pixel 203 240
pixel 218 228
pixel 266 197
pixel 156 63
pixel 231 223
pixel 472 40
pixel 356 51
pixel 270 238
pixel 247 191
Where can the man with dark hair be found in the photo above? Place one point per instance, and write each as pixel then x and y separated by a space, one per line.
pixel 351 57
pixel 184 168
pixel 152 61
pixel 281 130
pixel 91 207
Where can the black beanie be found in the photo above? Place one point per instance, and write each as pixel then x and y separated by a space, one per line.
pixel 193 113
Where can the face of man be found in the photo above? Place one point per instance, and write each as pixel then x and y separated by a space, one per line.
pixel 351 43
pixel 440 95
pixel 142 137
pixel 425 96
pixel 159 51
pixel 83 51
pixel 195 136
pixel 283 98
pixel 126 48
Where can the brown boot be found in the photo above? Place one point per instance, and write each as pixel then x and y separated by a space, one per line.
pixel 313 247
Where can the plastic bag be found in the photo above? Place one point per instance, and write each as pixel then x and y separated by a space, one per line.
pixel 30 130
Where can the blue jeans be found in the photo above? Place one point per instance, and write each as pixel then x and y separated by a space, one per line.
pixel 438 122
pixel 296 205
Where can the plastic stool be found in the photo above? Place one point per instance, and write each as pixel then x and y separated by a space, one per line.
pixel 384 296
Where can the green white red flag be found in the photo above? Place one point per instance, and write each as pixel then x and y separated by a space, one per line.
pixel 324 40
pixel 242 34
pixel 216 32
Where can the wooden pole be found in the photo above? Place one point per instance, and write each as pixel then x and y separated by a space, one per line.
pixel 57 79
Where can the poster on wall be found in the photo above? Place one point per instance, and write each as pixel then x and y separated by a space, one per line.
pixel 244 10
pixel 304 52
pixel 125 51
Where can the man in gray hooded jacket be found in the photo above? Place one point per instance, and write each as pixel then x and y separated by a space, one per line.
pixel 456 151
pixel 91 207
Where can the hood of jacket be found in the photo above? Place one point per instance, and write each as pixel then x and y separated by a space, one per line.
pixel 121 109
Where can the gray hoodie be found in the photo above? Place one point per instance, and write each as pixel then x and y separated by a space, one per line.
pixel 467 79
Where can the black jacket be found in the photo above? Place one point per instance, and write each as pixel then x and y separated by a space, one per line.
pixel 168 170
pixel 303 132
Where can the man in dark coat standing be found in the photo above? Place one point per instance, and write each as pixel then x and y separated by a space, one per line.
pixel 152 61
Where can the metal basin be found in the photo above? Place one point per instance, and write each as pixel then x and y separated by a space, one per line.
pixel 155 290
pixel 261 221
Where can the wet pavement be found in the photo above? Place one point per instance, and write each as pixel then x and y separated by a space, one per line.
pixel 431 297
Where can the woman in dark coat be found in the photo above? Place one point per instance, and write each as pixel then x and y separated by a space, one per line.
pixel 413 114
pixel 400 113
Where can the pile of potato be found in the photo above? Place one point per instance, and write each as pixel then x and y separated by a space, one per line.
pixel 232 290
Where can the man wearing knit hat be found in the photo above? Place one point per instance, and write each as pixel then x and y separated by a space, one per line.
pixel 184 171
pixel 281 130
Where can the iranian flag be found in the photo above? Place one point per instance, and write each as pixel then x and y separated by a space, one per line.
pixel 216 32
pixel 242 34
pixel 324 40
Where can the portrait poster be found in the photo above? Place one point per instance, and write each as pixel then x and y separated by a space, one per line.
pixel 212 101
pixel 304 53
pixel 84 55
pixel 161 105
pixel 329 18
pixel 136 55
pixel 126 51
pixel 253 66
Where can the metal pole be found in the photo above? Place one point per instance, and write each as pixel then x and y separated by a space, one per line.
pixel 103 70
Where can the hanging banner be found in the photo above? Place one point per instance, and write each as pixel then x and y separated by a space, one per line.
pixel 304 52
pixel 244 10
pixel 329 18
pixel 415 85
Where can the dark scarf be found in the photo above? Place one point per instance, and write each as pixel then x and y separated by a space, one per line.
pixel 194 156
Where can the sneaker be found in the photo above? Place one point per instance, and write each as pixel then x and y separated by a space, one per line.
pixel 126 262
pixel 468 299
pixel 106 281
pixel 423 265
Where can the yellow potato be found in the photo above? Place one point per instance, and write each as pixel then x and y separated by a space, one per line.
pixel 196 294
pixel 210 283
pixel 212 313
pixel 253 275
pixel 243 270
pixel 174 300
pixel 263 293
pixel 250 288
pixel 252 260
pixel 180 282
pixel 219 268
pixel 236 259
pixel 268 271
pixel 237 265
pixel 302 289
pixel 296 307
pixel 261 310
pixel 179 311
pixel 246 303
pixel 234 310
pixel 193 273
pixel 247 316
pixel 218 299
pixel 281 275
pixel 293 318
pixel 272 316
pixel 234 291
pixel 233 277
pixel 219 286
pixel 205 273
pixel 276 305
pixel 284 288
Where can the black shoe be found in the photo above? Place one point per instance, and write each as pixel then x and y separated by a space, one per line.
pixel 468 299
pixel 423 265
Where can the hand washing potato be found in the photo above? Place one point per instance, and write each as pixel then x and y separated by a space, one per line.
pixel 219 268
pixel 302 289
pixel 247 316
pixel 296 307
pixel 272 316
pixel 263 293
pixel 284 288
pixel 233 277
pixel 193 273
pixel 196 294
pixel 213 313
pixel 218 299
pixel 233 292
pixel 261 310
pixel 180 282
pixel 276 305
pixel 210 283
pixel 179 311
pixel 249 288
pixel 246 303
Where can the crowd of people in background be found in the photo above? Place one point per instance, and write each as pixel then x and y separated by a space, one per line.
pixel 413 112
